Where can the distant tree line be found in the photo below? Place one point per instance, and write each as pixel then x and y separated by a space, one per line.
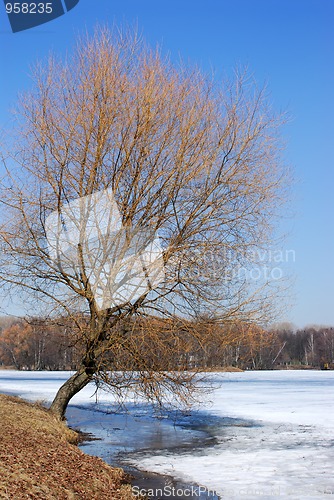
pixel 41 344
pixel 37 345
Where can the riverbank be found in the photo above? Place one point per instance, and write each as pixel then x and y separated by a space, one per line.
pixel 265 433
pixel 116 437
pixel 39 458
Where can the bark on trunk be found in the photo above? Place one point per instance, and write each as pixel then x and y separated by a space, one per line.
pixel 71 387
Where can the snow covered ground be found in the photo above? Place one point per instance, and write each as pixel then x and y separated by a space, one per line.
pixel 289 452
pixel 272 433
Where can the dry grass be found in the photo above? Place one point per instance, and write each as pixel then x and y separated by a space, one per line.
pixel 39 460
pixel 226 369
pixel 222 369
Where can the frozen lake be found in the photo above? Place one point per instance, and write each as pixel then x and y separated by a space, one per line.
pixel 266 434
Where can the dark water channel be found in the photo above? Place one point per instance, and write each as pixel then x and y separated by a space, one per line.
pixel 121 438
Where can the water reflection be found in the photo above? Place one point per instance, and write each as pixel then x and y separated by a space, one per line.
pixel 126 435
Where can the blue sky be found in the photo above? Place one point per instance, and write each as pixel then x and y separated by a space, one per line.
pixel 289 44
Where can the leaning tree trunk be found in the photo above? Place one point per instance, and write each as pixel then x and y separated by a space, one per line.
pixel 71 387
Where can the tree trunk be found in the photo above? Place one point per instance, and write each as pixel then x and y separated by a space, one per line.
pixel 66 392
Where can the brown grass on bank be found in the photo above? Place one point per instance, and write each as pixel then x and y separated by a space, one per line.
pixel 221 369
pixel 225 369
pixel 39 460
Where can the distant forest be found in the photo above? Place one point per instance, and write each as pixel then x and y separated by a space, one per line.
pixel 53 345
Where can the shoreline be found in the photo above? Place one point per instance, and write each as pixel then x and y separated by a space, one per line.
pixel 39 458
pixel 147 480
pixel 161 485
pixel 275 418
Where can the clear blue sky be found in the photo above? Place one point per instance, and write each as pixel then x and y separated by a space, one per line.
pixel 287 43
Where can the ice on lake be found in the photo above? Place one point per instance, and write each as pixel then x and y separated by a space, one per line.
pixel 264 434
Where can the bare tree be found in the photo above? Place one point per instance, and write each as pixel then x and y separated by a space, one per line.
pixel 192 174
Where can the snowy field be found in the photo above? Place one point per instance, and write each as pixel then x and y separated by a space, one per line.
pixel 271 432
